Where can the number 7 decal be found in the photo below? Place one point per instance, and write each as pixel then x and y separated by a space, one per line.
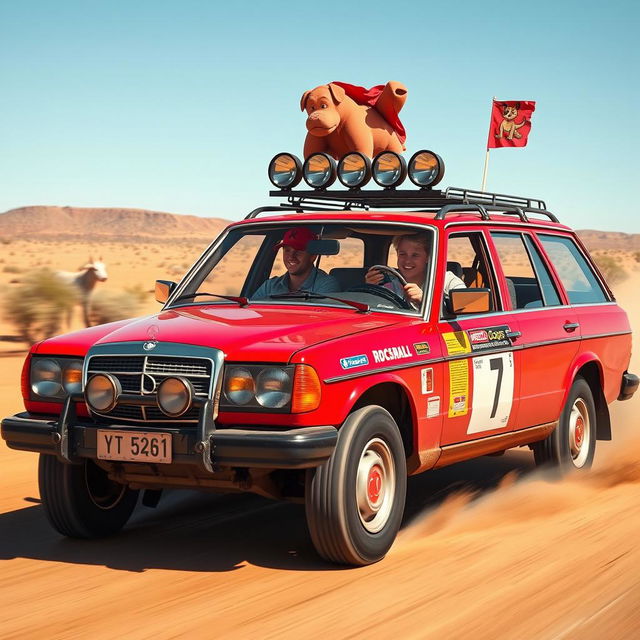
pixel 492 392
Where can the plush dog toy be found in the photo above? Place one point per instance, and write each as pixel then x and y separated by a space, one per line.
pixel 343 118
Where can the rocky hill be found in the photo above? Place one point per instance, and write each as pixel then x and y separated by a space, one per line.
pixel 46 221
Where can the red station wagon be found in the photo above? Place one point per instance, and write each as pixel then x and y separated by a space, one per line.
pixel 495 331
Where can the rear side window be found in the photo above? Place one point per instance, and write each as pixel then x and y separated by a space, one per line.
pixel 522 282
pixel 576 275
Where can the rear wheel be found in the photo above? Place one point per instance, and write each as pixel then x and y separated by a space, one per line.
pixel 355 501
pixel 573 443
pixel 81 501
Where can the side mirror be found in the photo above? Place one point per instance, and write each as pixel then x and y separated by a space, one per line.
pixel 464 301
pixel 163 290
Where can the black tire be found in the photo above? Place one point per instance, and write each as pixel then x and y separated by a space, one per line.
pixel 573 443
pixel 80 501
pixel 355 501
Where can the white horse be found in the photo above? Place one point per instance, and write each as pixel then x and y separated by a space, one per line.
pixel 84 281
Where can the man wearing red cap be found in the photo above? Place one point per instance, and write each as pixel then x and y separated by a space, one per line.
pixel 301 274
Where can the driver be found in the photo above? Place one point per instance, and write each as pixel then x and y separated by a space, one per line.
pixel 413 252
pixel 301 273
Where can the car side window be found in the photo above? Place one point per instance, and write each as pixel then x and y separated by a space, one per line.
pixel 467 263
pixel 575 273
pixel 522 281
pixel 549 293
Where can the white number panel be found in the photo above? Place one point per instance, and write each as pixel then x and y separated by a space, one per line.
pixel 492 392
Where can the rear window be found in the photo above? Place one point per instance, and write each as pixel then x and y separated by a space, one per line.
pixel 576 274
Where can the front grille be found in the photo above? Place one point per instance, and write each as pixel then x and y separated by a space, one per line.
pixel 136 373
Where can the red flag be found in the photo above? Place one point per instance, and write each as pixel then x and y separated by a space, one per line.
pixel 510 123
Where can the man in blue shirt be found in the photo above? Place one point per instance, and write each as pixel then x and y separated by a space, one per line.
pixel 301 274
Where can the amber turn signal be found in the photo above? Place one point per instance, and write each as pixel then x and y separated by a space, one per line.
pixel 306 389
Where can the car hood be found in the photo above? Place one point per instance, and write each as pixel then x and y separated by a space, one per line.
pixel 255 333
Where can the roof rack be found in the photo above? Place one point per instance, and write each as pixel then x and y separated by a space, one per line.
pixel 452 200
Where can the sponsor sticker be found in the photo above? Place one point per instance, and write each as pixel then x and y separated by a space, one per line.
pixel 390 353
pixel 457 342
pixel 458 388
pixel 422 348
pixel 354 361
pixel 489 338
pixel 433 407
pixel 426 380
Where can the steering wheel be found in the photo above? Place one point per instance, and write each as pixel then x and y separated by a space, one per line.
pixel 388 273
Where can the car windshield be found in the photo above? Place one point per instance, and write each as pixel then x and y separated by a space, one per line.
pixel 315 264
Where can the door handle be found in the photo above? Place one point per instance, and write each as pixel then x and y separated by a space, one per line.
pixel 569 327
pixel 514 335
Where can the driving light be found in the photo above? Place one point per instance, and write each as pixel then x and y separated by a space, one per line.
pixel 72 377
pixel 389 169
pixel 175 396
pixel 426 168
pixel 285 171
pixel 354 170
pixel 239 386
pixel 306 389
pixel 46 377
pixel 273 388
pixel 319 170
pixel 102 392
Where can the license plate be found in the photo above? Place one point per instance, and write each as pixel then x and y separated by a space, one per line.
pixel 134 446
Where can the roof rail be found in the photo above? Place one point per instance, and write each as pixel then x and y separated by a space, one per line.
pixel 452 200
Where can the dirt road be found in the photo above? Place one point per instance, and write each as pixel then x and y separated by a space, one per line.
pixel 527 558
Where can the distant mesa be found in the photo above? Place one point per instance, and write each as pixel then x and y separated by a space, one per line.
pixel 46 221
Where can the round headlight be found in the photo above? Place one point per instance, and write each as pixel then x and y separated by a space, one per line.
pixel 102 392
pixel 389 169
pixel 239 386
pixel 72 377
pixel 354 170
pixel 46 377
pixel 273 388
pixel 319 170
pixel 285 171
pixel 175 396
pixel 426 168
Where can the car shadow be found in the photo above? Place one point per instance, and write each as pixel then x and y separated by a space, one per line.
pixel 192 531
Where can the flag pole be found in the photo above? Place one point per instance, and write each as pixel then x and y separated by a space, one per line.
pixel 486 158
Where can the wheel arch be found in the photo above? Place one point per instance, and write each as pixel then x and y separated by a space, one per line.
pixel 589 367
pixel 392 394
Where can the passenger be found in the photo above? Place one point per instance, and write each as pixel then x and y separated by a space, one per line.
pixel 301 274
pixel 413 252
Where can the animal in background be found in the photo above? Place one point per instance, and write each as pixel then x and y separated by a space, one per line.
pixel 343 118
pixel 84 282
pixel 509 127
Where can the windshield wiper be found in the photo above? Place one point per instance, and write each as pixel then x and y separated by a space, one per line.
pixel 310 295
pixel 241 300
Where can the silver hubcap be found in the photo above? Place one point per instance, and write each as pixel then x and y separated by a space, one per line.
pixel 104 493
pixel 375 485
pixel 579 432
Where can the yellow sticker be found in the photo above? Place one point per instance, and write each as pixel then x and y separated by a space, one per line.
pixel 457 342
pixel 458 388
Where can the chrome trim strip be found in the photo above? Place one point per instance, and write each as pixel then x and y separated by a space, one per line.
pixel 395 367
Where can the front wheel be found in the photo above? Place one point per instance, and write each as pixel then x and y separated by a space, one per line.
pixel 573 443
pixel 355 501
pixel 81 501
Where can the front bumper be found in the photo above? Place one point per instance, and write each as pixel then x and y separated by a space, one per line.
pixel 628 386
pixel 71 440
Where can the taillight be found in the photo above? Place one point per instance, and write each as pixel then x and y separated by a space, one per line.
pixel 306 389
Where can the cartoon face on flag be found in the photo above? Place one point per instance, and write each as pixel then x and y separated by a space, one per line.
pixel 510 123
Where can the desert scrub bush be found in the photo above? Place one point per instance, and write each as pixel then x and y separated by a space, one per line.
pixel 109 306
pixel 611 269
pixel 38 305
pixel 138 292
pixel 10 268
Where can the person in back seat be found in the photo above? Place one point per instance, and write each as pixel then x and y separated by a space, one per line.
pixel 414 252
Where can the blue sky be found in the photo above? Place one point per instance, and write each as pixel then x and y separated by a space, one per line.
pixel 179 106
